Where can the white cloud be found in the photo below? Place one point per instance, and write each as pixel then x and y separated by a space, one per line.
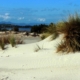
pixel 42 19
pixel 20 18
pixel 5 16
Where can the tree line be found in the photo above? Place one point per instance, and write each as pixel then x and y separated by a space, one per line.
pixel 35 28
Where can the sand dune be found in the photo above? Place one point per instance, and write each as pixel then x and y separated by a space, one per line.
pixel 25 63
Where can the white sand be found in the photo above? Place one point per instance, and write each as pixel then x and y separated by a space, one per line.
pixel 23 63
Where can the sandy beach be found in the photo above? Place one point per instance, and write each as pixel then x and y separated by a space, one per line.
pixel 28 62
pixel 39 39
pixel 31 39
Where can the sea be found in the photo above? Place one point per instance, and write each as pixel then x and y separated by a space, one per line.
pixel 22 29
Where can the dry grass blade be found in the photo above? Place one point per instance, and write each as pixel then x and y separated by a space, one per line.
pixel 38 48
pixel 2 44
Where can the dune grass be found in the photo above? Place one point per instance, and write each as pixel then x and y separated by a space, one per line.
pixel 50 30
pixel 38 48
pixel 2 44
pixel 12 41
pixel 45 35
pixel 15 40
pixel 71 31
pixel 9 39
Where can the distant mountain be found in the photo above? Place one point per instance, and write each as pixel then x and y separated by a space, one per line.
pixel 21 24
pixel 2 22
pixel 34 23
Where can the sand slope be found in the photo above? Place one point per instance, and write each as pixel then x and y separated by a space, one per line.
pixel 24 63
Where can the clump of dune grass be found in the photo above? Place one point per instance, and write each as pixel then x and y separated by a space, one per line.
pixel 12 41
pixel 71 31
pixel 44 35
pixel 54 36
pixel 2 44
pixel 50 30
pixel 5 38
pixel 3 41
pixel 9 39
pixel 60 26
pixel 18 40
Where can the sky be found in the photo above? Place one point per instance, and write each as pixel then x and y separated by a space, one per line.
pixel 37 11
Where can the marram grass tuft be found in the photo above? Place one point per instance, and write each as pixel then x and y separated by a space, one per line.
pixel 71 31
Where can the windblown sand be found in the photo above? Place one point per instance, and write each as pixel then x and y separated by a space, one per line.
pixel 28 62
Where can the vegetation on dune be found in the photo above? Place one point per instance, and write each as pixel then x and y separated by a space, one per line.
pixel 38 28
pixel 2 44
pixel 5 38
pixel 44 35
pixel 19 41
pixel 12 41
pixel 60 26
pixel 71 31
pixel 38 48
pixel 15 40
pixel 50 30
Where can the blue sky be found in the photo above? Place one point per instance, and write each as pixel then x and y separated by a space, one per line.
pixel 37 11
